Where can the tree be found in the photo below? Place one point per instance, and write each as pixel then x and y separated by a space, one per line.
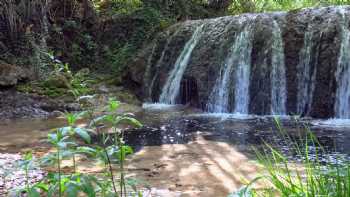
pixel 219 4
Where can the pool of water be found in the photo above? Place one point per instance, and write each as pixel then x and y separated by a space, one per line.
pixel 178 125
pixel 181 125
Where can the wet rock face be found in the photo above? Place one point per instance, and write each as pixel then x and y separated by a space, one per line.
pixel 260 86
pixel 219 34
pixel 10 75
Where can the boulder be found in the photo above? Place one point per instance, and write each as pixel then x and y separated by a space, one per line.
pixel 10 75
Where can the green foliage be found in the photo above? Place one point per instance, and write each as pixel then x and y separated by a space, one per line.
pixel 61 81
pixel 67 144
pixel 311 178
pixel 118 6
pixel 144 24
pixel 243 6
pixel 73 42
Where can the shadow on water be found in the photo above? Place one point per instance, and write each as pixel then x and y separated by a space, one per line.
pixel 179 125
pixel 165 124
pixel 181 149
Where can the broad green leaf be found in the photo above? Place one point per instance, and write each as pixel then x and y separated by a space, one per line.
pixel 83 134
pixel 42 186
pixel 66 130
pixel 131 121
pixel 86 150
pixel 28 156
pixel 87 186
pixel 53 190
pixel 33 193
pixel 113 105
pixel 72 190
pixel 52 137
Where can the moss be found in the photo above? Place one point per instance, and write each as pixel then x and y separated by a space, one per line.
pixel 25 88
pixel 126 97
pixel 57 81
pixel 54 92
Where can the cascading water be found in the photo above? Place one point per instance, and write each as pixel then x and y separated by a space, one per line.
pixel 239 56
pixel 342 103
pixel 306 75
pixel 243 71
pixel 253 77
pixel 278 73
pixel 147 77
pixel 172 86
pixel 149 82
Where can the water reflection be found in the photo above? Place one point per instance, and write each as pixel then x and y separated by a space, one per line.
pixel 181 125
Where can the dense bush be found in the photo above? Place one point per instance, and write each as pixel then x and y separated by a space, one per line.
pixel 243 6
pixel 106 34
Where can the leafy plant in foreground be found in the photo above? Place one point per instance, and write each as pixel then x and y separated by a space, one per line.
pixel 111 150
pixel 27 164
pixel 118 150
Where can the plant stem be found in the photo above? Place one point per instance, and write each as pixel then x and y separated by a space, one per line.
pixel 110 170
pixel 74 163
pixel 121 174
pixel 27 179
pixel 59 172
pixel 109 163
pixel 122 178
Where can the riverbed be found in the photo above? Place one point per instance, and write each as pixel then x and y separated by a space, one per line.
pixel 181 151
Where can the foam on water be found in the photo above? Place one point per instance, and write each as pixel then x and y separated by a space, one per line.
pixel 334 123
pixel 225 116
pixel 159 106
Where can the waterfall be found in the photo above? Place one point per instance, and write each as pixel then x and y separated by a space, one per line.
pixel 278 73
pixel 342 103
pixel 306 76
pixel 150 82
pixel 172 85
pixel 265 64
pixel 239 57
pixel 243 71
pixel 147 77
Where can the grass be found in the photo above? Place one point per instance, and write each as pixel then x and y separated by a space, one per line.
pixel 308 178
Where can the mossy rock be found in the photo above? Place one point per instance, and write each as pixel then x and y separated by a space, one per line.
pixel 54 92
pixel 25 88
pixel 58 81
pixel 126 97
